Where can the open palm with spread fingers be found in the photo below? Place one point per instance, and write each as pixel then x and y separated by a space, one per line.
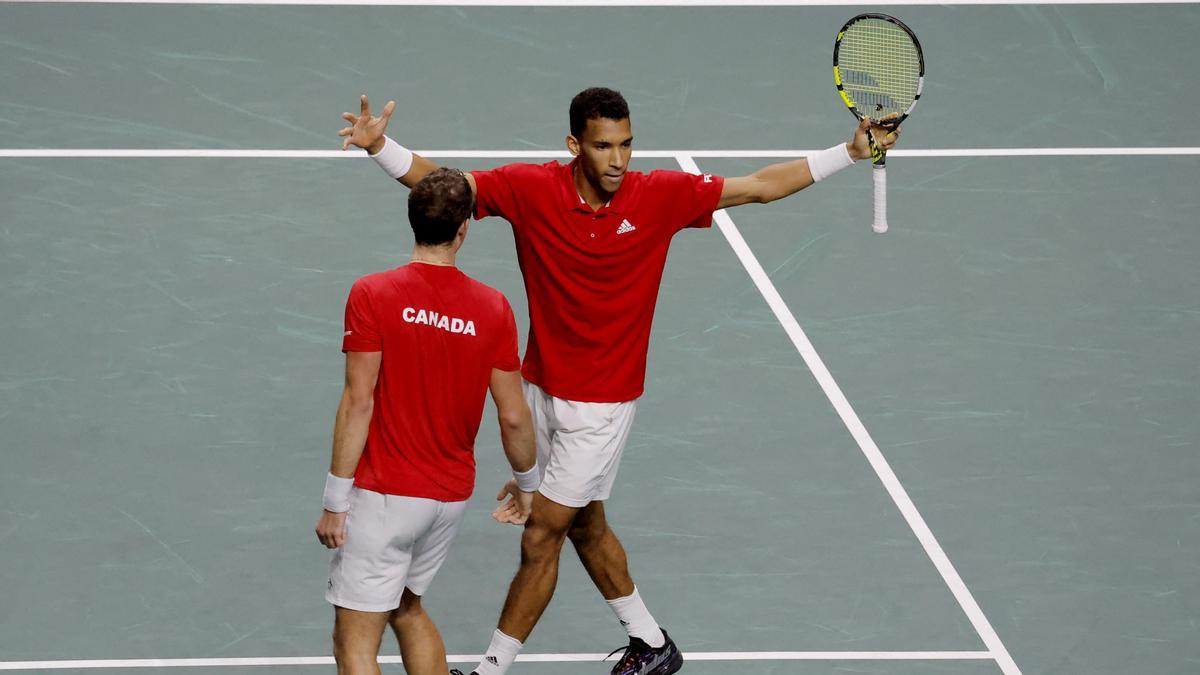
pixel 365 130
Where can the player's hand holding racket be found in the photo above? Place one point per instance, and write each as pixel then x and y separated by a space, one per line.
pixel 879 71
pixel 872 134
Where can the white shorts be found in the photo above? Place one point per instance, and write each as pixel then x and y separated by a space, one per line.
pixel 579 445
pixel 392 542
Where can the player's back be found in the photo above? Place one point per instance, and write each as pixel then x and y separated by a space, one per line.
pixel 440 333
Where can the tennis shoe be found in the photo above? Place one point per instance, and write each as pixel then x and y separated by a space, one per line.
pixel 640 658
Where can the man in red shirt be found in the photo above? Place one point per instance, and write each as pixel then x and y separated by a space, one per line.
pixel 592 239
pixel 424 343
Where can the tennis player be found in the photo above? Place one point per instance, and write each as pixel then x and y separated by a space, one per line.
pixel 424 343
pixel 592 240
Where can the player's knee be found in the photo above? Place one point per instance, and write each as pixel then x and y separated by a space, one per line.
pixel 585 532
pixel 589 525
pixel 352 661
pixel 539 543
pixel 343 650
pixel 350 649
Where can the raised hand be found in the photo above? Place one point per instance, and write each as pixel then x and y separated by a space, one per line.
pixel 365 130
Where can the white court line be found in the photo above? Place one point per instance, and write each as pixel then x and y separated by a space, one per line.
pixel 603 3
pixel 850 418
pixel 469 658
pixel 150 153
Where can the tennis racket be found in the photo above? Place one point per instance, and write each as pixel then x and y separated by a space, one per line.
pixel 879 70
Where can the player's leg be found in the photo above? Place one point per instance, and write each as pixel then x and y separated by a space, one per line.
pixel 421 646
pixel 601 552
pixel 554 509
pixel 356 637
pixel 593 449
pixel 650 649
pixel 579 450
pixel 532 586
pixel 575 453
pixel 534 583
pixel 368 572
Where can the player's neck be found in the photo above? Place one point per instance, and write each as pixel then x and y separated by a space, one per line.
pixel 441 256
pixel 593 196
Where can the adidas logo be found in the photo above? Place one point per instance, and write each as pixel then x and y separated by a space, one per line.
pixel 493 660
pixel 626 226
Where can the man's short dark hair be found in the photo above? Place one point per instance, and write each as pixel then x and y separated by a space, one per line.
pixel 438 205
pixel 596 103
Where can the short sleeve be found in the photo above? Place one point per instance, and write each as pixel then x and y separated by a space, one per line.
pixel 361 331
pixel 506 353
pixel 692 197
pixel 494 193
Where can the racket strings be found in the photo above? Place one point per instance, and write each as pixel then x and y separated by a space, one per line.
pixel 880 67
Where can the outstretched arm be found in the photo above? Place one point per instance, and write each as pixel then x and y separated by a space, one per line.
pixel 367 132
pixel 786 178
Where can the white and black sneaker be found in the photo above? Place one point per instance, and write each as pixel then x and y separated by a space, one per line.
pixel 640 658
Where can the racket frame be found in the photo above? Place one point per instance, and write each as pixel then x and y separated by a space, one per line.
pixel 878 154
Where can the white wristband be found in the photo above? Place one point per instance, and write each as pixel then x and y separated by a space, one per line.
pixel 337 493
pixel 528 481
pixel 394 159
pixel 825 163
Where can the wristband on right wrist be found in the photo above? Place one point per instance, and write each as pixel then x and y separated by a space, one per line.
pixel 337 493
pixel 394 159
pixel 827 162
pixel 528 481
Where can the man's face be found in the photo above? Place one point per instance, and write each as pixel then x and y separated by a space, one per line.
pixel 604 149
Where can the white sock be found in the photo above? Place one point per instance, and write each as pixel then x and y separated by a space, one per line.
pixel 499 655
pixel 636 619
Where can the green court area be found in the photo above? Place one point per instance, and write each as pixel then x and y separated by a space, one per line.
pixel 1020 345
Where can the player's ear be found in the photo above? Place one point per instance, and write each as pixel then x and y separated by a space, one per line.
pixel 572 145
pixel 462 231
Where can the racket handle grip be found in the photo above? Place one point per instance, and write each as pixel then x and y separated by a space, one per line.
pixel 879 178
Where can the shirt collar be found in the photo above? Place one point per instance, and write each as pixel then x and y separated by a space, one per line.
pixel 573 201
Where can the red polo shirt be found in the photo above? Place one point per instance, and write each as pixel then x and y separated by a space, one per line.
pixel 441 334
pixel 592 277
